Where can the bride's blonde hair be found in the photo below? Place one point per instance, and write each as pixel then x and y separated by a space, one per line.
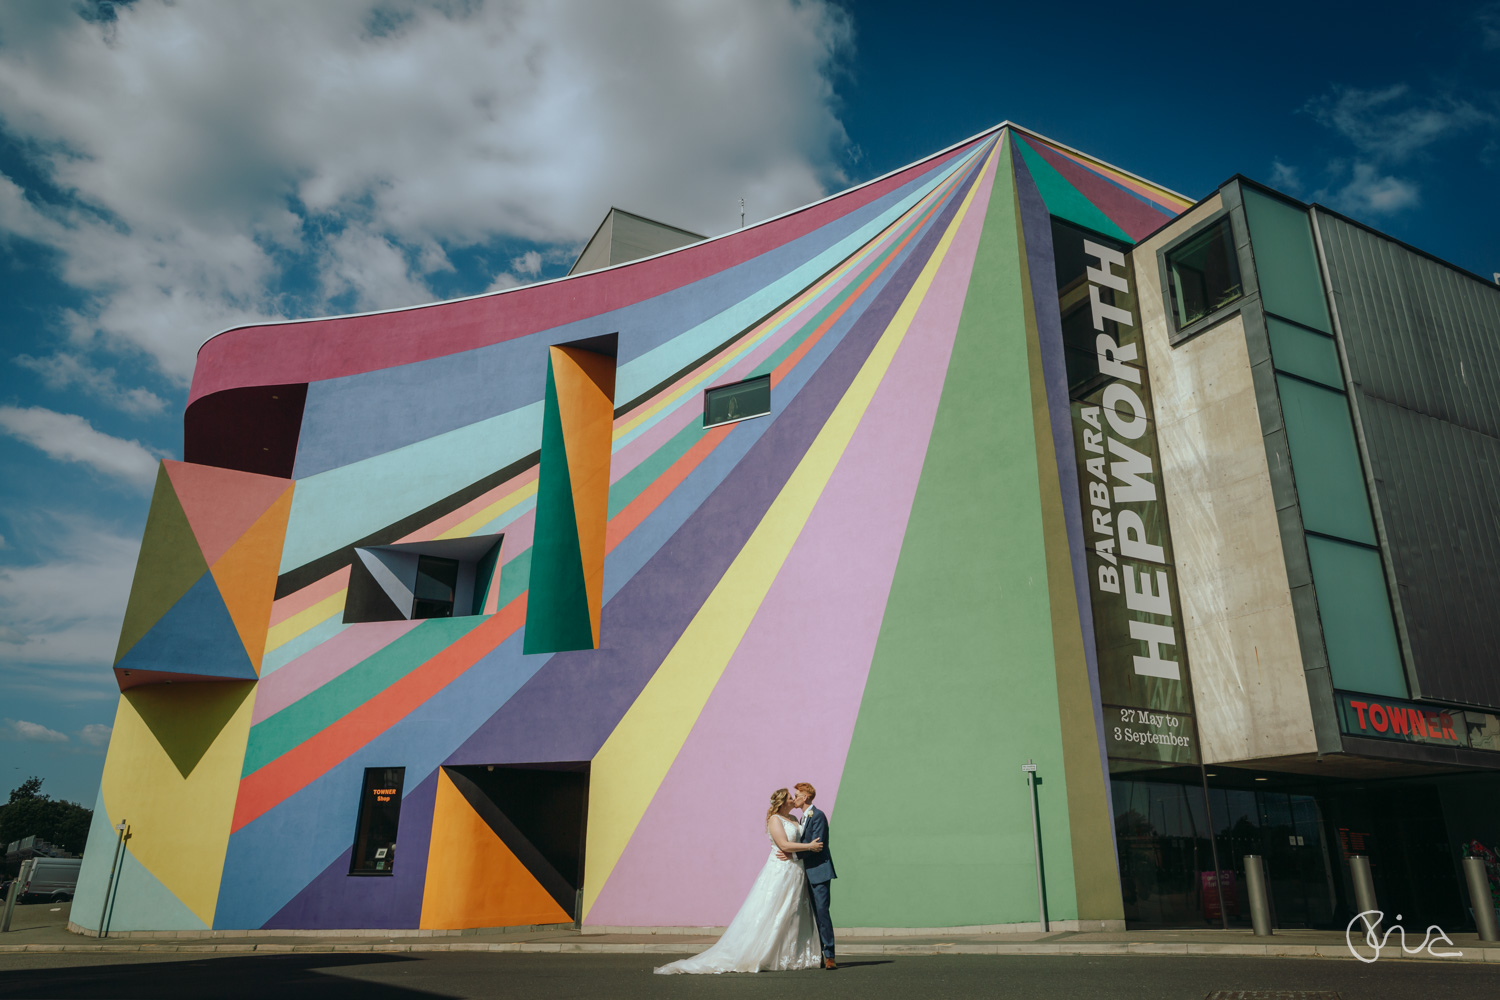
pixel 778 799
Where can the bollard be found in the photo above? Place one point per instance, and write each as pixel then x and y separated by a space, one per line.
pixel 10 903
pixel 1260 902
pixel 1364 889
pixel 14 895
pixel 1481 900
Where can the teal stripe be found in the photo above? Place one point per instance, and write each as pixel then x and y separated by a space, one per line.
pixel 311 714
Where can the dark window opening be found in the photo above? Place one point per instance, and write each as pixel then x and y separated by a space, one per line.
pixel 727 403
pixel 1204 274
pixel 379 816
pixel 437 581
pixel 444 578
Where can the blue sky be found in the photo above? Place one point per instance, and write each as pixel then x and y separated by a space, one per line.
pixel 167 171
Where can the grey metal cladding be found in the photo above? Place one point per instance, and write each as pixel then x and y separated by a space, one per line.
pixel 1423 346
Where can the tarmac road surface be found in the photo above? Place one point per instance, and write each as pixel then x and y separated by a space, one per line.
pixel 563 977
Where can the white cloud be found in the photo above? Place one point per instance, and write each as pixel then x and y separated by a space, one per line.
pixel 1489 27
pixel 95 734
pixel 1392 123
pixel 1285 178
pixel 529 262
pixel 64 370
pixel 1369 192
pixel 68 437
pixel 199 152
pixel 60 617
pixel 35 732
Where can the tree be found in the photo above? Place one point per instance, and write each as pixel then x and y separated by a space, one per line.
pixel 30 813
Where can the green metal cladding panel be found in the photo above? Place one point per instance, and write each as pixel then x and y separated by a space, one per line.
pixel 1301 352
pixel 1286 264
pixel 1356 613
pixel 1325 461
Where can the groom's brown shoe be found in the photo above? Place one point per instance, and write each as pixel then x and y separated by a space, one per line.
pixel 829 963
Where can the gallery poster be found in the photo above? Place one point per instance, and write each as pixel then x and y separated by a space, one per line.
pixel 1143 669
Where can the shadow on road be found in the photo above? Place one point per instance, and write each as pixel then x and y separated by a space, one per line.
pixel 254 977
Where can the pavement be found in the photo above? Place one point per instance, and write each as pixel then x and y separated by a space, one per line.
pixel 42 928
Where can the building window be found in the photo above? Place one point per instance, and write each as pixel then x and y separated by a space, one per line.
pixel 727 403
pixel 437 579
pixel 1204 273
pixel 379 815
pixel 445 578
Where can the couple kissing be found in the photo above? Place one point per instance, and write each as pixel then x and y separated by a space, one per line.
pixel 784 922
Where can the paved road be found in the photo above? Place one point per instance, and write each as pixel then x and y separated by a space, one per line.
pixel 563 977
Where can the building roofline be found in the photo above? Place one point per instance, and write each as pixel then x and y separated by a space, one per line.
pixel 992 130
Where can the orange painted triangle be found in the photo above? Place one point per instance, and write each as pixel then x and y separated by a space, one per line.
pixel 585 383
pixel 246 574
pixel 473 879
pixel 221 504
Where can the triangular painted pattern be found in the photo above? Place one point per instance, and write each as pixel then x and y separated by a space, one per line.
pixel 196 637
pixel 169 564
pixel 222 504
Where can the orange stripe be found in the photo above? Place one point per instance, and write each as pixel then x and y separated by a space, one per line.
pixel 305 763
pixel 651 497
pixel 309 595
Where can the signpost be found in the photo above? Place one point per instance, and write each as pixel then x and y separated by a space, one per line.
pixel 1036 844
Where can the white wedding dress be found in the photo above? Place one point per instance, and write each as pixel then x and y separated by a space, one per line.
pixel 774 929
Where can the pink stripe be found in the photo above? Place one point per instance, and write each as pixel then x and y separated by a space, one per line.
pixel 331 348
pixel 322 664
pixel 468 510
pixel 309 595
pixel 785 709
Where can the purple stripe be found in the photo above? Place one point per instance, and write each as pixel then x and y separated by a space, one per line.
pixel 570 707
pixel 335 900
pixel 1036 229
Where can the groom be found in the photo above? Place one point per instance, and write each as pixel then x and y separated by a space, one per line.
pixel 819 866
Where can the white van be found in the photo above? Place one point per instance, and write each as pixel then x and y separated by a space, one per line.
pixel 51 879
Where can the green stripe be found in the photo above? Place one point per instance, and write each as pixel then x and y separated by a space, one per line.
pixel 962 689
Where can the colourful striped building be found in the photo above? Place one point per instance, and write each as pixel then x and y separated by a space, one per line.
pixel 477 614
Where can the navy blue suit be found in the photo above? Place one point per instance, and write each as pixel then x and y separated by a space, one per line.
pixel 820 873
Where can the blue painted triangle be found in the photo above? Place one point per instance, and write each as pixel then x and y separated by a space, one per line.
pixel 195 637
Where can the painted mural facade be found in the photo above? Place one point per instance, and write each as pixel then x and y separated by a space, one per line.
pixel 881 586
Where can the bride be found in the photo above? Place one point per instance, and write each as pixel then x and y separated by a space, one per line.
pixel 774 929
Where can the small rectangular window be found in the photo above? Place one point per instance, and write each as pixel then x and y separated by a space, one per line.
pixel 379 815
pixel 1204 273
pixel 727 403
pixel 437 579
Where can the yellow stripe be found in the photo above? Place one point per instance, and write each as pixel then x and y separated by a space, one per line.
pixel 469 525
pixel 631 765
pixel 284 632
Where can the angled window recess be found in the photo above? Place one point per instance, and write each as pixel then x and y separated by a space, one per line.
pixel 1204 273
pixel 724 404
pixel 451 578
pixel 572 497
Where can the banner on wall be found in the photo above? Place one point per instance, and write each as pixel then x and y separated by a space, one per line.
pixel 1143 670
